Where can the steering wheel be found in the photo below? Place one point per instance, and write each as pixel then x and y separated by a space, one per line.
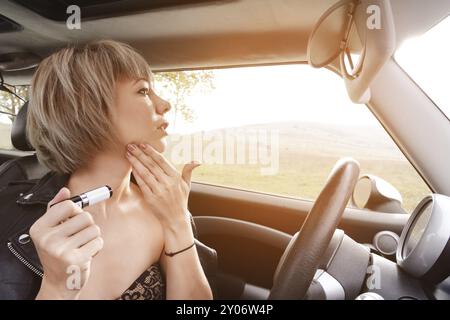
pixel 302 256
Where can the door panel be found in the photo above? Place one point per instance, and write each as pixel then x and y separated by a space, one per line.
pixel 251 252
pixel 244 246
pixel 283 213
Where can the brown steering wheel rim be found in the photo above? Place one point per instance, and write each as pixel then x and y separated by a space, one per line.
pixel 301 259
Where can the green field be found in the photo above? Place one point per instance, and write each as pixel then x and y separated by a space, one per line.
pixel 307 153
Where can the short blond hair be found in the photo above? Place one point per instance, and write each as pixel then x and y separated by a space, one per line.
pixel 72 92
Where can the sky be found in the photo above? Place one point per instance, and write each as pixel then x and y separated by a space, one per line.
pixel 258 95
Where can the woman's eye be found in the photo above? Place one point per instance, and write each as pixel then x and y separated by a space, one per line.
pixel 144 91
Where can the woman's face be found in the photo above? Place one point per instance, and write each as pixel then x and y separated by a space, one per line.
pixel 138 114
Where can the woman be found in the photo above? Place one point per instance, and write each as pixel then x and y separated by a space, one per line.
pixel 95 118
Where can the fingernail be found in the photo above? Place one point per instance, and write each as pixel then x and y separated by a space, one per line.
pixel 131 147
pixel 128 154
pixel 142 146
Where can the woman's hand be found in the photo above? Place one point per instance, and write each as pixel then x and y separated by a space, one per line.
pixel 66 239
pixel 163 187
pixel 167 191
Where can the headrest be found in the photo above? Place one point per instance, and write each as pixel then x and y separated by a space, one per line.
pixel 18 132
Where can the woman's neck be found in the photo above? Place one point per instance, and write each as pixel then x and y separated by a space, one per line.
pixel 109 169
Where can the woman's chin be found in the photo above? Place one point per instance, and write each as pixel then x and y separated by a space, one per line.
pixel 159 145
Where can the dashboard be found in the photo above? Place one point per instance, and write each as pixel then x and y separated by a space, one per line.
pixel 421 268
pixel 424 247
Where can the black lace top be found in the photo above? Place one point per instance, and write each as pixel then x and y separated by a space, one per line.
pixel 149 286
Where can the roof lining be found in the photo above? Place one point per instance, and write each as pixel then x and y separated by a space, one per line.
pixel 237 33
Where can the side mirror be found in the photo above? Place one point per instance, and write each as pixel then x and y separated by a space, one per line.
pixel 374 193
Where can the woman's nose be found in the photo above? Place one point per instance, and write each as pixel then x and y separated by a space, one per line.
pixel 163 106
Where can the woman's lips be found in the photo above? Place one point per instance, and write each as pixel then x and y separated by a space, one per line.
pixel 163 128
pixel 163 131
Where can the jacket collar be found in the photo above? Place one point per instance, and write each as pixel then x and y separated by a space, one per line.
pixel 20 243
pixel 45 189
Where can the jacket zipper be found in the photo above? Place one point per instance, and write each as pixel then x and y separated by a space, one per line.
pixel 24 261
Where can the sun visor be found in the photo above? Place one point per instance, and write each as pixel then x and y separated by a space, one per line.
pixel 360 36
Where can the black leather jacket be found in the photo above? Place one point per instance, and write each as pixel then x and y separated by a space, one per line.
pixel 22 202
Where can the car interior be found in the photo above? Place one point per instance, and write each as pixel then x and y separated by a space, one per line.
pixel 271 246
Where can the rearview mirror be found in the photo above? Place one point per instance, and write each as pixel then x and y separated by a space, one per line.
pixel 374 193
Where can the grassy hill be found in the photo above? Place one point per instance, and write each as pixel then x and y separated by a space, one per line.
pixel 307 153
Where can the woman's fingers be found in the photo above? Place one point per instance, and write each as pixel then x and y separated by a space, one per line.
pixel 76 223
pixel 63 193
pixel 148 162
pixel 187 171
pixel 91 248
pixel 143 173
pixel 84 236
pixel 60 212
pixel 159 159
pixel 141 183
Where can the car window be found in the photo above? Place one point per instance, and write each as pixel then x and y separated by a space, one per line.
pixel 277 129
pixel 425 59
pixel 10 104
